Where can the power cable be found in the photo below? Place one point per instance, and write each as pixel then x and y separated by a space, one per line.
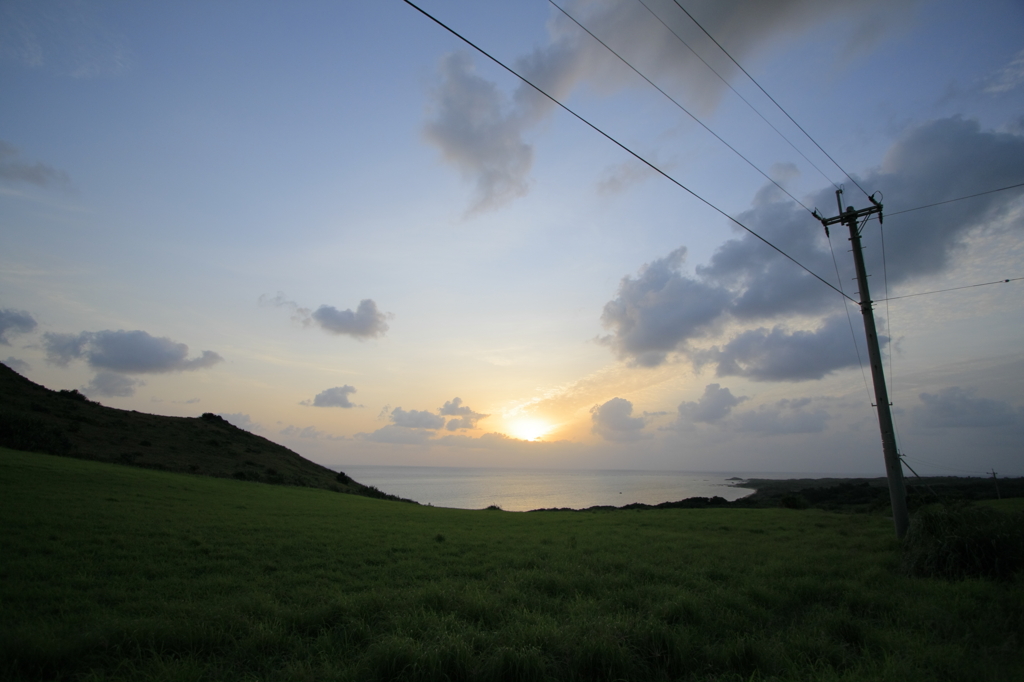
pixel 942 291
pixel 737 92
pixel 620 145
pixel 769 96
pixel 888 325
pixel 950 201
pixel 680 106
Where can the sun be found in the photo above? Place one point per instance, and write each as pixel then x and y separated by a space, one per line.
pixel 528 428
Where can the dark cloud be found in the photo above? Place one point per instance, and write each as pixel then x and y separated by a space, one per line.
pixel 780 355
pixel 714 406
pixel 664 310
pixel 366 321
pixel 784 417
pixel 416 419
pixel 19 366
pixel 14 322
pixel 130 352
pixel 465 418
pixel 332 397
pixel 955 407
pixel 13 169
pixel 242 421
pixel 478 132
pixel 612 421
pixel 112 385
pixel 661 310
pixel 481 131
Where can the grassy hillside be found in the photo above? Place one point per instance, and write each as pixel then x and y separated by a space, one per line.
pixel 120 573
pixel 35 418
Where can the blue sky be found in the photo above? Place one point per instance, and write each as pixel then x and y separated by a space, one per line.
pixel 344 229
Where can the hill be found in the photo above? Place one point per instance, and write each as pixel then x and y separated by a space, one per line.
pixel 37 419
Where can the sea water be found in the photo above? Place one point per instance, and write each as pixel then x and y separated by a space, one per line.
pixel 526 489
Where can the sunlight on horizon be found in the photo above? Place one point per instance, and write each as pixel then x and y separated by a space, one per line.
pixel 529 429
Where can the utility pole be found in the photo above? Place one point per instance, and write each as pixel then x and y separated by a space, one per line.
pixel 893 467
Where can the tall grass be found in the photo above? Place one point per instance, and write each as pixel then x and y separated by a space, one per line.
pixel 113 573
pixel 958 541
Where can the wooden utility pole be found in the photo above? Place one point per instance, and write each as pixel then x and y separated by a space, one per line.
pixel 893 467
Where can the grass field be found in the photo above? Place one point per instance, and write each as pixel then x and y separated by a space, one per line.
pixel 116 573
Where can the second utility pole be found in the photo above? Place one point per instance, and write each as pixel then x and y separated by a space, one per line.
pixel 893 468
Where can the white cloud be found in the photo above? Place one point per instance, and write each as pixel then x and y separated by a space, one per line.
pixel 613 421
pixel 465 418
pixel 416 419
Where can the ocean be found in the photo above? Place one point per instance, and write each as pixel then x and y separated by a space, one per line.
pixel 526 489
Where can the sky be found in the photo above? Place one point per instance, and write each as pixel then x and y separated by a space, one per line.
pixel 345 229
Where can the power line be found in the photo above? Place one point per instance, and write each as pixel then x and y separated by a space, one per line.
pixel 769 96
pixel 950 201
pixel 942 291
pixel 680 106
pixel 737 92
pixel 620 144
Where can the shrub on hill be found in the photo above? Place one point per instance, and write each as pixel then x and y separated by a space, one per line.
pixel 32 435
pixel 958 541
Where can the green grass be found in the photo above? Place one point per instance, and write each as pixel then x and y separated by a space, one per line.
pixel 118 573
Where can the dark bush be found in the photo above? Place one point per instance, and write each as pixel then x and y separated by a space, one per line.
pixel 958 541
pixel 342 478
pixel 794 502
pixel 32 435
pixel 73 394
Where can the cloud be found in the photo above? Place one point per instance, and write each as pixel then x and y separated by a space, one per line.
pixel 365 322
pixel 612 421
pixel 65 38
pixel 15 322
pixel 19 366
pixel 481 131
pixel 13 169
pixel 416 419
pixel 332 397
pixel 465 418
pixel 663 311
pixel 620 177
pixel 714 406
pixel 130 352
pixel 112 384
pixel 1010 77
pixel 398 435
pixel 784 417
pixel 956 407
pixel 779 355
pixel 242 421
pixel 477 132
